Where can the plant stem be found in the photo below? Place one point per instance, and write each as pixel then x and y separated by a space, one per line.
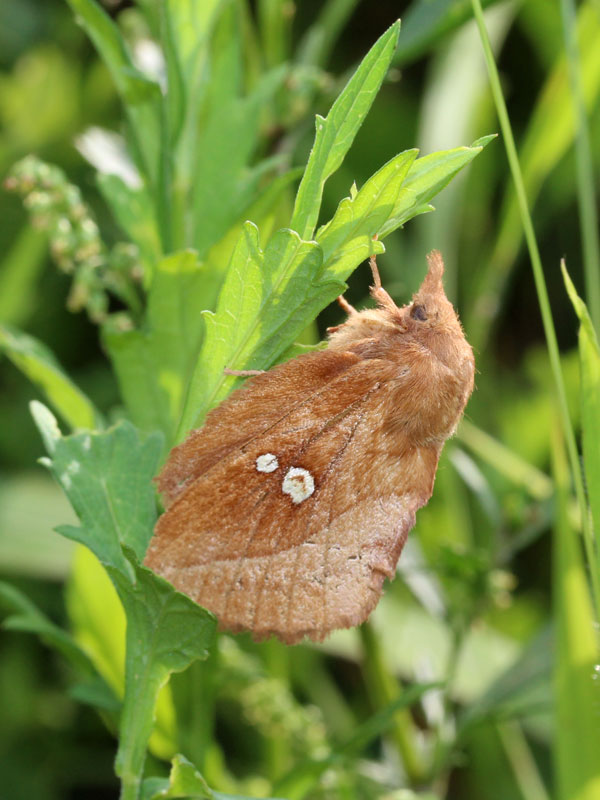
pixel 384 688
pixel 143 679
pixel 277 747
pixel 194 699
pixel 134 731
pixel 542 292
pixel 588 212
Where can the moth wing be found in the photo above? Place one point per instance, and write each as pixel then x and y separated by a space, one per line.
pixel 260 558
pixel 248 412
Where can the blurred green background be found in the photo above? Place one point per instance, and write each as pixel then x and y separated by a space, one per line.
pixel 485 538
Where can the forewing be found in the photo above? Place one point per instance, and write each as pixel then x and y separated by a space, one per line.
pixel 240 546
pixel 250 411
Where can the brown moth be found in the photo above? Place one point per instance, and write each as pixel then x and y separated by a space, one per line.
pixel 290 507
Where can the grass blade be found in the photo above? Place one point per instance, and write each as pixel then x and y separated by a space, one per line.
pixel 589 355
pixel 540 284
pixel 576 693
pixel 588 212
pixel 549 135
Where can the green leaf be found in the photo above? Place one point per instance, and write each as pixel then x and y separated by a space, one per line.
pixel 336 132
pixel 175 629
pixel 153 363
pixel 348 238
pixel 131 84
pixel 396 193
pixel 38 363
pixel 186 783
pixel 96 617
pixel 267 211
pixel 107 478
pixel 166 632
pixel 266 301
pixel 427 177
pixel 589 355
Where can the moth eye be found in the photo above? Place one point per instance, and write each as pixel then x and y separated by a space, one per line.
pixel 418 312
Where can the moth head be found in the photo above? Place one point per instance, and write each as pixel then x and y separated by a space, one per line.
pixel 430 310
pixel 432 320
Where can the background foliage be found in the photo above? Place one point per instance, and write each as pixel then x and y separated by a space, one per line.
pixel 493 603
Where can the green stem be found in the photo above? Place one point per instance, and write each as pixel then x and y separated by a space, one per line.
pixel 194 692
pixel 384 688
pixel 143 679
pixel 588 212
pixel 542 292
pixel 277 662
pixel 134 731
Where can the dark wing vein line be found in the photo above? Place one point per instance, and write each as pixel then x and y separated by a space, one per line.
pixel 328 534
pixel 261 508
pixel 192 567
pixel 310 518
pixel 262 512
pixel 339 378
pixel 306 444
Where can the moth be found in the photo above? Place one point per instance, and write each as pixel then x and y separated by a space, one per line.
pixel 287 511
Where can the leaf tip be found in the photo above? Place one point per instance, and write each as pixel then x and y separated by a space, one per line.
pixel 46 424
pixel 395 27
pixel 483 141
pixel 576 301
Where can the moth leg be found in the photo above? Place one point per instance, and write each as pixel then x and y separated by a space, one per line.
pixel 243 373
pixel 345 305
pixel 377 291
pixel 350 311
pixel 375 272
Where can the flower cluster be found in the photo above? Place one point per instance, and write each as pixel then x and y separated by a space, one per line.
pixel 56 206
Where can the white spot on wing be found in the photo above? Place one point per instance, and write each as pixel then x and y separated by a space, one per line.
pixel 267 463
pixel 298 483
